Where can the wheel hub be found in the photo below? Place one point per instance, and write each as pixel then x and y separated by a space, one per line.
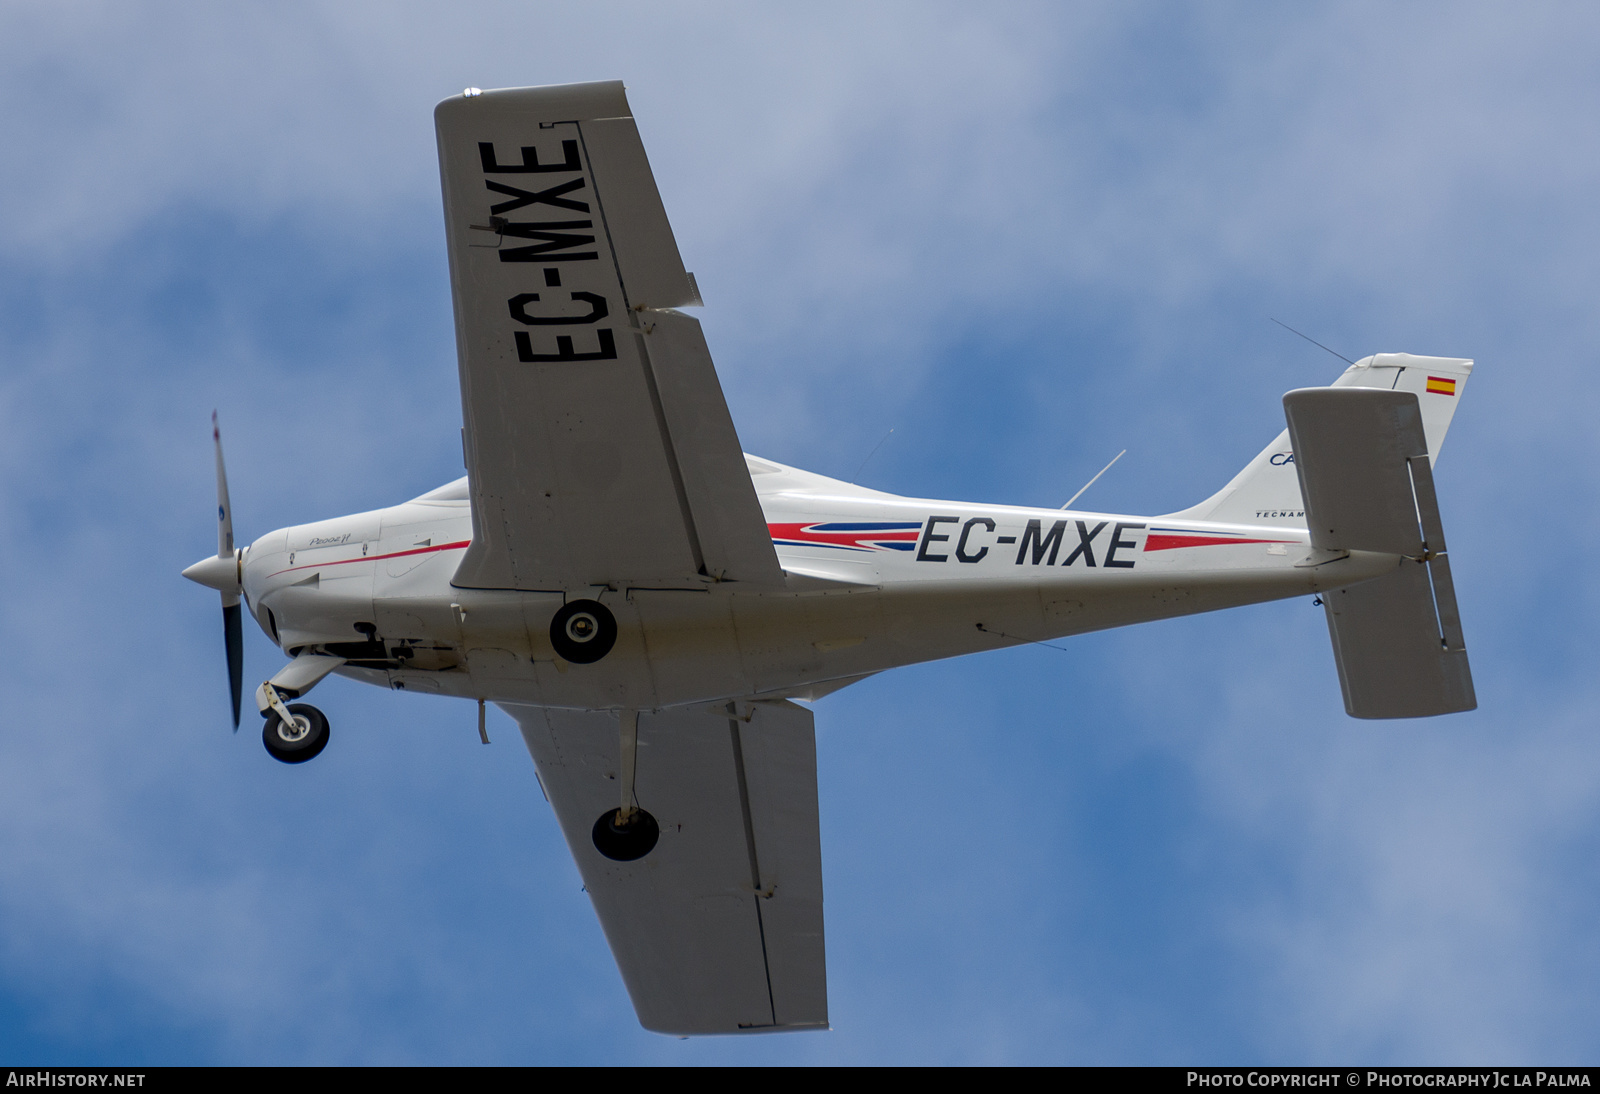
pixel 582 627
pixel 296 731
pixel 583 631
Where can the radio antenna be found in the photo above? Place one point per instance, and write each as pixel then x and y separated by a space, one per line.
pixel 1314 342
pixel 1092 481
pixel 871 454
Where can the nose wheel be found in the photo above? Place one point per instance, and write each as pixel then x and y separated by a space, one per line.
pixel 299 740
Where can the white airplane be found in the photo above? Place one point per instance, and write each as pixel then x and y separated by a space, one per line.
pixel 647 602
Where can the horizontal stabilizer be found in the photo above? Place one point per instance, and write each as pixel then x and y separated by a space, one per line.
pixel 1386 642
pixel 1352 449
pixel 1362 458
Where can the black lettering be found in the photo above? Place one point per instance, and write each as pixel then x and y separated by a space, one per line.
pixel 928 537
pixel 1116 542
pixel 564 350
pixel 519 309
pixel 1006 539
pixel 1085 541
pixel 1031 538
pixel 552 278
pixel 966 530
pixel 553 241
pixel 552 196
pixel 530 160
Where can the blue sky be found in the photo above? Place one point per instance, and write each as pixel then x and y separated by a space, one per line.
pixel 1023 239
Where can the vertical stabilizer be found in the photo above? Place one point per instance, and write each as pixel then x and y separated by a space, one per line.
pixel 1267 491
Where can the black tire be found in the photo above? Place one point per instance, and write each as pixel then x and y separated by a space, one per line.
pixel 583 631
pixel 286 748
pixel 625 842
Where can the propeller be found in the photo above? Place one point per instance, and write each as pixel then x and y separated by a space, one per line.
pixel 222 573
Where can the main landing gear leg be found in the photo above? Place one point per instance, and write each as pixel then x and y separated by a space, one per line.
pixel 627 833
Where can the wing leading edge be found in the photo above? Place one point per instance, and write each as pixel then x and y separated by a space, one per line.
pixel 719 928
pixel 599 447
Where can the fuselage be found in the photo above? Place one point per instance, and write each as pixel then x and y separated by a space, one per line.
pixel 874 581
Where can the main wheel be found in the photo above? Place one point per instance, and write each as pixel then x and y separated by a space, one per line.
pixel 583 631
pixel 633 839
pixel 297 743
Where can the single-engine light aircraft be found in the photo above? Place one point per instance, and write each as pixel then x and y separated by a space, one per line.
pixel 648 602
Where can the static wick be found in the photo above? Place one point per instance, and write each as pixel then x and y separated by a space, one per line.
pixel 1092 481
pixel 483 728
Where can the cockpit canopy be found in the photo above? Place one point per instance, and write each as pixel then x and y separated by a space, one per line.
pixel 446 494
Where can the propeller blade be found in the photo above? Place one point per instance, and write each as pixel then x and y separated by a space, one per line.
pixel 222 573
pixel 233 635
pixel 224 509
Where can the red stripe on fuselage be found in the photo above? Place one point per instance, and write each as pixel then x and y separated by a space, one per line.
pixel 377 558
pixel 1155 542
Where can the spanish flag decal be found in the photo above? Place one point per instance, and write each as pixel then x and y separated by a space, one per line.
pixel 1441 385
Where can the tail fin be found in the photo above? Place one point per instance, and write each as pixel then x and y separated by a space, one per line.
pixel 1267 491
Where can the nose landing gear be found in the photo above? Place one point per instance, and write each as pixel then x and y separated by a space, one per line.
pixel 299 740
pixel 295 734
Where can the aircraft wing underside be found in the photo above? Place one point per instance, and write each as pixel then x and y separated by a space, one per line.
pixel 599 447
pixel 719 928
